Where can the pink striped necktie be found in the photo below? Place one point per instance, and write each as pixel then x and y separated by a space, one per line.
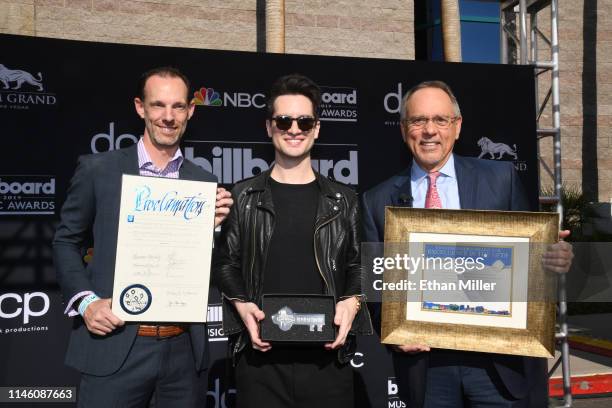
pixel 432 200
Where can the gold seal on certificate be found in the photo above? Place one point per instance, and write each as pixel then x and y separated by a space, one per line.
pixel 164 249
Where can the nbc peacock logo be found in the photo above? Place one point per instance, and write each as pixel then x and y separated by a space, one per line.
pixel 207 97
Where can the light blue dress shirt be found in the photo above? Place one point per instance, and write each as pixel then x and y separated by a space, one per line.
pixel 446 185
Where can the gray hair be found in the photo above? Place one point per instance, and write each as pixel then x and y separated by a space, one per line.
pixel 429 84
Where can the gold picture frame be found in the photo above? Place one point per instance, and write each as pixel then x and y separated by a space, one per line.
pixel 536 339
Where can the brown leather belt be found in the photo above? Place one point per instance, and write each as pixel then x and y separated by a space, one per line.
pixel 162 332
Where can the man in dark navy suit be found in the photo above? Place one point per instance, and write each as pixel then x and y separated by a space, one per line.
pixel 125 364
pixel 438 178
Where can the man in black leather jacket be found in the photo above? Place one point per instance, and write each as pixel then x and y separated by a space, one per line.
pixel 291 231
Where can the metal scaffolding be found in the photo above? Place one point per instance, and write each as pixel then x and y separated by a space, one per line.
pixel 517 48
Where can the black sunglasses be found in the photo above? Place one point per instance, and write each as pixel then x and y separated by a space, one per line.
pixel 284 122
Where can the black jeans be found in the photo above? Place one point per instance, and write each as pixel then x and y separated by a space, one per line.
pixel 292 377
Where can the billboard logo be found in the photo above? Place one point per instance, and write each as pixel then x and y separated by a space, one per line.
pixel 391 387
pixel 340 97
pixel 392 393
pixel 215 313
pixel 31 195
pixel 214 319
pixel 207 97
pixel 229 164
pixel 19 77
pixel 338 104
pixel 233 164
pixel 27 188
pixel 20 89
pixel 210 97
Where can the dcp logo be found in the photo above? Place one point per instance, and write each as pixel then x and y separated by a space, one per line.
pixel 393 100
pixel 13 305
pixel 221 398
pixel 358 360
pixel 104 142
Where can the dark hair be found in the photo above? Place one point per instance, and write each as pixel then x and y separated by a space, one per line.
pixel 163 72
pixel 429 84
pixel 295 84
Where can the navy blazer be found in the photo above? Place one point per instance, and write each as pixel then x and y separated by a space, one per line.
pixel 483 185
pixel 92 207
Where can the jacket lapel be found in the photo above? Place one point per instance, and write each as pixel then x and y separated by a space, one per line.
pixel 186 171
pixel 328 201
pixel 402 190
pixel 261 187
pixel 129 161
pixel 126 163
pixel 466 182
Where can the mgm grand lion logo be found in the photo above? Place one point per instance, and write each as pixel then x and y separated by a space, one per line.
pixel 18 77
pixel 487 146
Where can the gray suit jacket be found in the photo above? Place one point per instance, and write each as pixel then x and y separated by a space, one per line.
pixel 92 207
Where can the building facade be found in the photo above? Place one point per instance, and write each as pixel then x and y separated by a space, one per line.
pixel 363 28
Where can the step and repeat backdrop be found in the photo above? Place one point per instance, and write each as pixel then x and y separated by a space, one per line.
pixel 60 99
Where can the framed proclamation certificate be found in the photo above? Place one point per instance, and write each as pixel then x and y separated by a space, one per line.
pixel 469 280
pixel 164 249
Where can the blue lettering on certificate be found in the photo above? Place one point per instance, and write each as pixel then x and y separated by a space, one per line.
pixel 169 202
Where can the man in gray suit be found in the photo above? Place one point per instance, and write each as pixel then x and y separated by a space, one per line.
pixel 126 364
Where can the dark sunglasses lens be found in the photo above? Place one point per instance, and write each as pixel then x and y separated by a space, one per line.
pixel 305 124
pixel 283 122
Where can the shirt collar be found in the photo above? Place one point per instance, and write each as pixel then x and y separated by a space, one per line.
pixel 448 170
pixel 144 160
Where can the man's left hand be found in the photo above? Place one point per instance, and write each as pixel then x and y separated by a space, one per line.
pixel 222 205
pixel 346 310
pixel 558 257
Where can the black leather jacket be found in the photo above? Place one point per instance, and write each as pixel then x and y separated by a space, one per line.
pixel 240 256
